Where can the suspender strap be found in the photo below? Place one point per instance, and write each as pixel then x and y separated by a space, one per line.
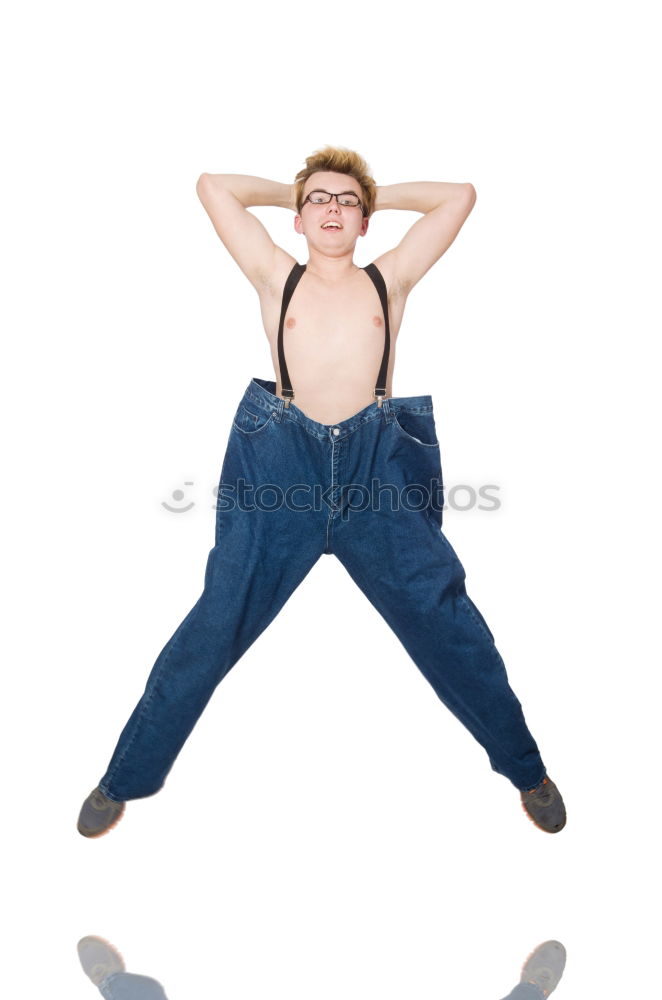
pixel 291 283
pixel 380 285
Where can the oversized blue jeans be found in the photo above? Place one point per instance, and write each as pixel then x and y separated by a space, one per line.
pixel 369 491
pixel 127 986
pixel 524 991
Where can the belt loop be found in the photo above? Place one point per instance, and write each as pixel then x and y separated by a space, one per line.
pixel 278 409
pixel 387 410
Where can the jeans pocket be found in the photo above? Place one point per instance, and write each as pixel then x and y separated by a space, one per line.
pixel 417 425
pixel 251 418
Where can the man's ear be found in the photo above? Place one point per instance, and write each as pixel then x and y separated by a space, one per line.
pixel 297 224
pixel 364 226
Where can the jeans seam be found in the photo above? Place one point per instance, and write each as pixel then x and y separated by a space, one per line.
pixel 481 624
pixel 466 714
pixel 348 433
pixel 148 697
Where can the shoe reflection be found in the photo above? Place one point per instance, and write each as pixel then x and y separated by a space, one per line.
pixel 104 966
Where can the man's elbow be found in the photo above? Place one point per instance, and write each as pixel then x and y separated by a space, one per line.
pixel 206 181
pixel 471 193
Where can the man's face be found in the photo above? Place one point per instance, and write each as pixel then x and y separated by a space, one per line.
pixel 333 229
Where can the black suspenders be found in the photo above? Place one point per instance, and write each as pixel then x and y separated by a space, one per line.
pixel 291 283
pixel 380 285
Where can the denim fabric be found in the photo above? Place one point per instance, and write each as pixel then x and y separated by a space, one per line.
pixel 525 991
pixel 367 490
pixel 126 986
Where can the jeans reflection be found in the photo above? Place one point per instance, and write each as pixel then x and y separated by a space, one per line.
pixel 104 966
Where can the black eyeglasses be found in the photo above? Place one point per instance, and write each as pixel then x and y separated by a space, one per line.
pixel 348 199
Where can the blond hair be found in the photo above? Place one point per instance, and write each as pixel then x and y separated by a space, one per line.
pixel 338 160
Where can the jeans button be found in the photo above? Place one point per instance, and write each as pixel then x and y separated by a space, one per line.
pixel 336 431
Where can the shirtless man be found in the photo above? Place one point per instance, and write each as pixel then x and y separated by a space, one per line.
pixel 303 446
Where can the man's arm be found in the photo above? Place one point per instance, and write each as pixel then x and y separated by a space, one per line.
pixel 226 198
pixel 445 207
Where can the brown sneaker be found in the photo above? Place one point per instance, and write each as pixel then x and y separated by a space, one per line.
pixel 544 806
pixel 99 814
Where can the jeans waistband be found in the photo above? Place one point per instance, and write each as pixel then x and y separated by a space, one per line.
pixel 262 393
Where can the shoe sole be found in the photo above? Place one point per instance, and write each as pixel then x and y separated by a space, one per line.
pixel 106 829
pixel 537 825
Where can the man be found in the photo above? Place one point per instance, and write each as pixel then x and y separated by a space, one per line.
pixel 303 447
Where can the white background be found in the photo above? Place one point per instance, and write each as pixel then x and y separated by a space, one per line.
pixel 330 830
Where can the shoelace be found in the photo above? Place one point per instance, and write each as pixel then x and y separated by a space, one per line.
pixel 543 793
pixel 99 801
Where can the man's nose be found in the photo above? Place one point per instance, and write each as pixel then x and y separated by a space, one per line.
pixel 333 205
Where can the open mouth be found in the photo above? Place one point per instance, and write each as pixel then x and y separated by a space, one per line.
pixel 333 226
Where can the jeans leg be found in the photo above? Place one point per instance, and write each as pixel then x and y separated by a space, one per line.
pixel 409 571
pixel 525 991
pixel 259 560
pixel 126 986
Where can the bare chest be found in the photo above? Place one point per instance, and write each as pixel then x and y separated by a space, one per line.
pixel 333 324
pixel 333 341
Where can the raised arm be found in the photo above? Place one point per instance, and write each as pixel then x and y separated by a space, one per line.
pixel 226 198
pixel 445 207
